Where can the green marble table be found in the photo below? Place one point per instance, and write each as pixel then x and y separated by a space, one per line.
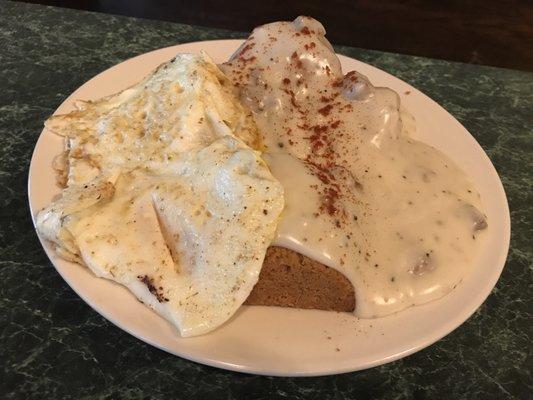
pixel 53 345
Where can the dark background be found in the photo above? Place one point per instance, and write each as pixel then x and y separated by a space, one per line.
pixel 498 33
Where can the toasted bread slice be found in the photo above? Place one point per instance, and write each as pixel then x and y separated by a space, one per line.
pixel 289 279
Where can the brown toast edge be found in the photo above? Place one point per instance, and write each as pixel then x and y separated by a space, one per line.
pixel 290 279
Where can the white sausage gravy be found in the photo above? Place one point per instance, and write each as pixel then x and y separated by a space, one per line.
pixel 396 216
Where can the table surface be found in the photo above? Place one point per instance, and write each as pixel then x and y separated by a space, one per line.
pixel 53 345
pixel 476 31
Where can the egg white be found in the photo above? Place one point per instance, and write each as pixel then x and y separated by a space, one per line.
pixel 165 196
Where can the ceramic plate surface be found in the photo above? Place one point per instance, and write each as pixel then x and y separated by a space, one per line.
pixel 288 342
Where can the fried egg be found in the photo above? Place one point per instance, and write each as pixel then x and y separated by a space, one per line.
pixel 165 196
pixel 185 104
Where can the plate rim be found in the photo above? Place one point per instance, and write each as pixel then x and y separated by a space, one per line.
pixel 449 327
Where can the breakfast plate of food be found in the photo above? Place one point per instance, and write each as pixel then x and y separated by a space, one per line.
pixel 268 206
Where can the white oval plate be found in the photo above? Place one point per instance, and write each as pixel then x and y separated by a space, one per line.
pixel 280 341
